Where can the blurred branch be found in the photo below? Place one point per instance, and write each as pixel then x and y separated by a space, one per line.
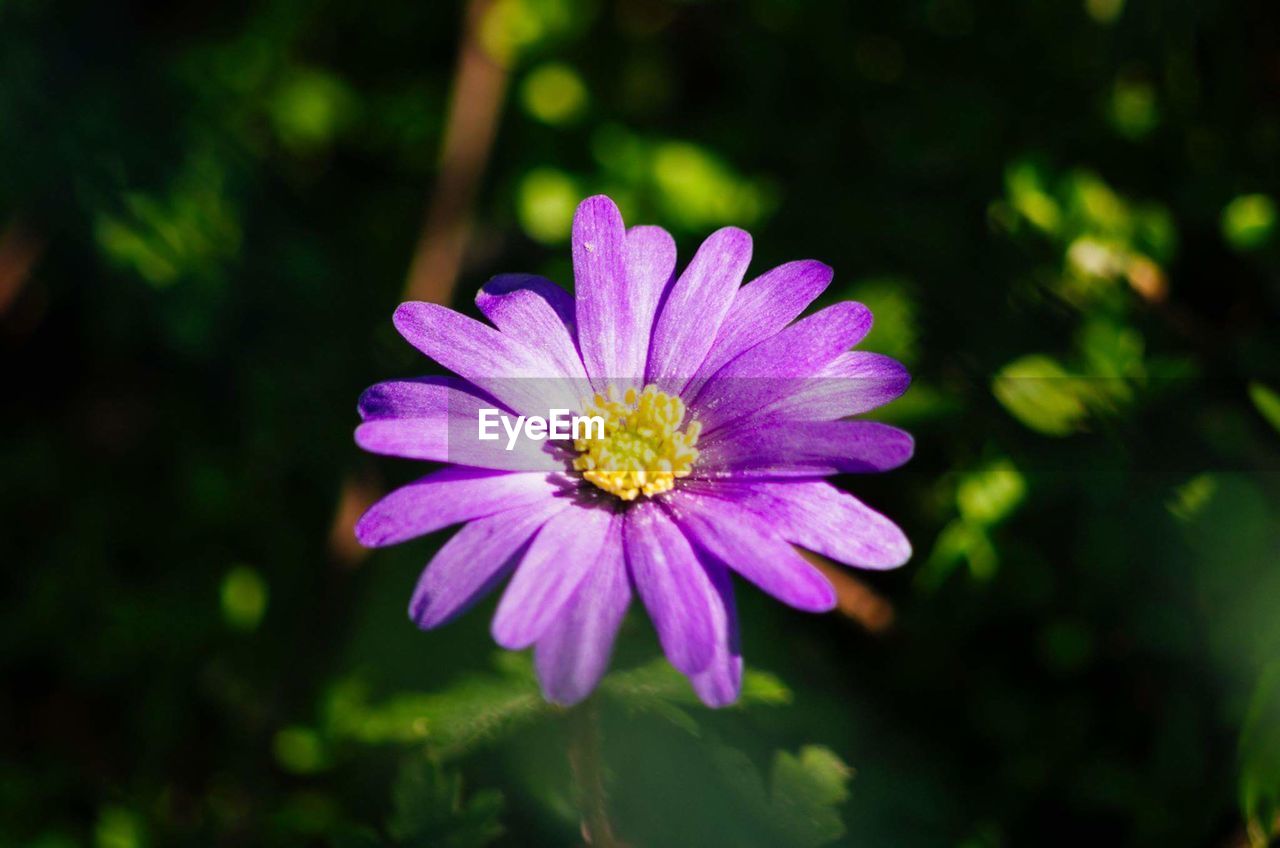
pixel 357 494
pixel 588 775
pixel 475 103
pixel 854 598
pixel 19 250
pixel 479 87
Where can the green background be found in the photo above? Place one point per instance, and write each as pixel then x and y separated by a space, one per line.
pixel 1062 213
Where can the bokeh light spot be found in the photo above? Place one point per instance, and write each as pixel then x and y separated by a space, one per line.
pixel 1248 221
pixel 118 827
pixel 309 108
pixel 1133 110
pixel 545 203
pixel 698 189
pixel 299 750
pixel 244 598
pixel 1104 11
pixel 554 94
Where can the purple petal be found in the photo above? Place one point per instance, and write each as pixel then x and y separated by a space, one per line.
pixel 453 440
pixel 673 585
pixel 741 540
pixel 818 516
pixel 720 683
pixel 775 368
pixel 855 382
pixel 606 324
pixel 574 652
pixel 695 306
pixel 425 397
pixel 435 418
pixel 539 313
pixel 446 497
pixel 495 362
pixel 805 448
pixel 412 438
pixel 475 560
pixel 505 292
pixel 561 555
pixel 651 264
pixel 761 309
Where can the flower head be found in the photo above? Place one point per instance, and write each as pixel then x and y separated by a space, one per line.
pixel 712 413
pixel 644 446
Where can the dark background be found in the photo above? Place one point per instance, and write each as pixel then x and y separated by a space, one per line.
pixel 1062 213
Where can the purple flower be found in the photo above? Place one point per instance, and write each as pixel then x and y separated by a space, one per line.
pixel 722 415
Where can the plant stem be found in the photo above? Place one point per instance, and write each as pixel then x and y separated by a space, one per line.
pixel 588 775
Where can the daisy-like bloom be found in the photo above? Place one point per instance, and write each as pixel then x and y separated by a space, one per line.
pixel 722 416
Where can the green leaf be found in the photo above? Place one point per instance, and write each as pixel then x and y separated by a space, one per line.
pixel 960 541
pixel 807 792
pixel 658 688
pixel 1025 188
pixel 989 494
pixel 1267 403
pixel 761 687
pixel 1042 395
pixel 476 710
pixel 800 808
pixel 430 811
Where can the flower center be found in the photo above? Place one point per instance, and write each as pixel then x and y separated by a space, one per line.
pixel 644 449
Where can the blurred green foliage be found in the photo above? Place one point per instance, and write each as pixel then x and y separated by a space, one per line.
pixel 1062 214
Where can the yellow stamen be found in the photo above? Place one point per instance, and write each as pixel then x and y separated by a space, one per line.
pixel 644 450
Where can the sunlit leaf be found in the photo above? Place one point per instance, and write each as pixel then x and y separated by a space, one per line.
pixel 960 541
pixel 658 681
pixel 476 710
pixel 185 232
pixel 1098 206
pixel 1267 403
pixel 1025 185
pixel 1192 497
pixel 1042 395
pixel 800 807
pixel 989 494
pixel 807 791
